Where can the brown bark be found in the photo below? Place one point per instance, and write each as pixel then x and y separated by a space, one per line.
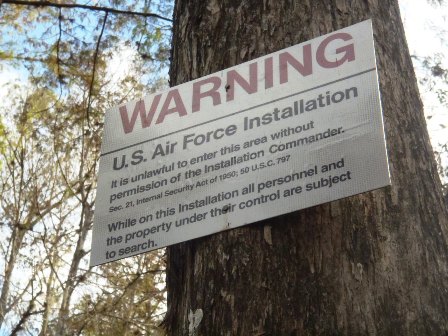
pixel 372 264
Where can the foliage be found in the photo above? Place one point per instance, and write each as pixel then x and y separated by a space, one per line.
pixel 78 63
pixel 435 81
pixel 129 302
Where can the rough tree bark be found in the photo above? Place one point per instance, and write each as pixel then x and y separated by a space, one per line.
pixel 372 264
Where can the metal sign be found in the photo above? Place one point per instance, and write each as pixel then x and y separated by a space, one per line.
pixel 289 130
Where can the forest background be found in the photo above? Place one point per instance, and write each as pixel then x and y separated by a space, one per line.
pixel 61 68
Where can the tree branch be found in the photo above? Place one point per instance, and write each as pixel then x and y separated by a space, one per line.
pixel 25 316
pixel 58 60
pixel 79 6
pixel 95 59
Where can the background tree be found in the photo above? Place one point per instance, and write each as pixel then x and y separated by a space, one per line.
pixel 131 300
pixel 72 56
pixel 369 264
pixel 30 191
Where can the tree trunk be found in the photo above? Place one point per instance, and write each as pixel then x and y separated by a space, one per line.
pixel 372 264
pixel 16 241
pixel 72 278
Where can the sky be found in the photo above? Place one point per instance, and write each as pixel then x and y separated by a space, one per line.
pixel 426 31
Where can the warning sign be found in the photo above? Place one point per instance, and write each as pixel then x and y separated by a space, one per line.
pixel 290 130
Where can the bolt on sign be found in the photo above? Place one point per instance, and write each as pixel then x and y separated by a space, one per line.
pixel 289 130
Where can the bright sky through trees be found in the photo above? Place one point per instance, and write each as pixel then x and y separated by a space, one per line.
pixel 426 31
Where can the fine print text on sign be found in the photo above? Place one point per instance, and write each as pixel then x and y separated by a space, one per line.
pixel 290 130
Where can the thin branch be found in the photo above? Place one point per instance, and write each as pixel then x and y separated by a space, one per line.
pixel 58 60
pixel 69 185
pixel 25 316
pixel 79 6
pixel 95 59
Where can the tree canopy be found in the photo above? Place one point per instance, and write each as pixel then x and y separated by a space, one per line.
pixel 76 62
